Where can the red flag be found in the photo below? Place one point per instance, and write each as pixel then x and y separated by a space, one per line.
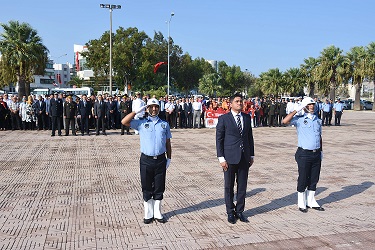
pixel 156 66
pixel 58 76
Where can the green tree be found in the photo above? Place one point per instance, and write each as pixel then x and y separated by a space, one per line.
pixel 309 72
pixel 210 85
pixel 271 82
pixel 328 70
pixel 371 67
pixel 294 82
pixel 356 70
pixel 23 55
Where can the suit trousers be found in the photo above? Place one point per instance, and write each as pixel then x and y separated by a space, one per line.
pixel 236 173
pixel 100 123
pixel 56 123
pixel 153 173
pixel 85 124
pixel 309 164
pixel 70 122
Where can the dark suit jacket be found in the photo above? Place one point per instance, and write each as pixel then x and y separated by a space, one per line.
pixel 82 110
pixel 56 107
pixel 228 138
pixel 40 107
pixel 111 106
pixel 70 109
pixel 100 110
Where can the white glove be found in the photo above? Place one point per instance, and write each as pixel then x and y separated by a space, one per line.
pixel 299 107
pixel 168 163
pixel 139 110
pixel 321 155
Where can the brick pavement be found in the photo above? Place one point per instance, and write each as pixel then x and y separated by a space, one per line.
pixel 84 192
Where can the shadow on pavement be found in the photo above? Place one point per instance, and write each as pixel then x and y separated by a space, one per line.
pixel 208 204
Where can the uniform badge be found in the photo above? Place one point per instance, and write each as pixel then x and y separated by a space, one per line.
pixel 147 125
pixel 305 122
pixel 163 126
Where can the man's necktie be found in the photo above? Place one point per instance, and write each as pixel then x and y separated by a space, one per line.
pixel 239 126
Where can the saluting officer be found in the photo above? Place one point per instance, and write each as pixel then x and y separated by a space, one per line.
pixel 309 153
pixel 155 135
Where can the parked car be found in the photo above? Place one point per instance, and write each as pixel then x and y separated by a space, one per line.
pixel 347 104
pixel 366 105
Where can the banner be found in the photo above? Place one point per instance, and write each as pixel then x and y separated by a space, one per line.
pixel 212 116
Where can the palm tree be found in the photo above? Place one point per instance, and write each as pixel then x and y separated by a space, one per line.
pixel 328 70
pixel 308 70
pixel 294 81
pixel 371 67
pixel 271 82
pixel 23 55
pixel 210 84
pixel 356 70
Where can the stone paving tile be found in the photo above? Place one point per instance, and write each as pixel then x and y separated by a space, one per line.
pixel 84 192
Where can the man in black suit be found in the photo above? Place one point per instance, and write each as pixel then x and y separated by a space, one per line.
pixel 100 113
pixel 111 113
pixel 56 112
pixel 84 111
pixel 70 112
pixel 40 110
pixel 125 109
pixel 235 150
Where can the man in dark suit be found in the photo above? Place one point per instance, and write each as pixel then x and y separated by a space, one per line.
pixel 125 108
pixel 235 150
pixel 84 111
pixel 100 113
pixel 182 113
pixel 40 110
pixel 70 112
pixel 56 112
pixel 111 113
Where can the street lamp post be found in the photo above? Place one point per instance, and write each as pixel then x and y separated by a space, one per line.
pixel 169 22
pixel 110 7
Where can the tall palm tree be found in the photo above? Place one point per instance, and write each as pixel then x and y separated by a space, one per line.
pixel 356 70
pixel 271 82
pixel 328 70
pixel 309 72
pixel 23 55
pixel 294 81
pixel 370 49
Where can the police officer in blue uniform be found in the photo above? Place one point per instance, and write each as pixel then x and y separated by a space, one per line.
pixel 156 151
pixel 309 153
pixel 338 109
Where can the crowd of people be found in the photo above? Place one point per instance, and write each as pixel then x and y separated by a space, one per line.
pixel 105 112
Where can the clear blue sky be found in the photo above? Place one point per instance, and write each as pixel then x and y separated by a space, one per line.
pixel 254 34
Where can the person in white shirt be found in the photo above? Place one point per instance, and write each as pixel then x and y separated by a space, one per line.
pixel 197 110
pixel 136 105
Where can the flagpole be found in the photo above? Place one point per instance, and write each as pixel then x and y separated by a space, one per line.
pixel 169 22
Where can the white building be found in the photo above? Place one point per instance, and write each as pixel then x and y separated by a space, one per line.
pixel 80 63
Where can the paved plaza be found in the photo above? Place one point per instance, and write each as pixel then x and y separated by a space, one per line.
pixel 84 192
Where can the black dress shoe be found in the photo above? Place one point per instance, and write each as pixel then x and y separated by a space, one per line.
pixel 317 208
pixel 148 221
pixel 162 220
pixel 241 217
pixel 303 210
pixel 232 219
pixel 104 133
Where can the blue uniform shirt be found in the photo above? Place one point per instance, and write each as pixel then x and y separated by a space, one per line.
pixel 326 107
pixel 309 131
pixel 153 135
pixel 338 106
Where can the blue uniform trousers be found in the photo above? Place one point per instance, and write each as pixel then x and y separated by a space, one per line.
pixel 153 173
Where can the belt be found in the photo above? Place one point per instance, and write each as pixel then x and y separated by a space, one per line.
pixel 154 157
pixel 308 150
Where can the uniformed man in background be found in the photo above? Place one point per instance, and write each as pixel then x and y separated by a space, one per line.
pixel 338 109
pixel 155 138
pixel 70 113
pixel 309 153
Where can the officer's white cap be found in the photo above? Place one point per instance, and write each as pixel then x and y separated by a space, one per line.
pixel 307 100
pixel 152 101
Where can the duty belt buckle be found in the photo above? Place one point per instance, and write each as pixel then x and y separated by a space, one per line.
pixel 315 150
pixel 155 157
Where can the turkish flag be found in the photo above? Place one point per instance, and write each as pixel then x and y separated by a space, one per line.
pixel 156 66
